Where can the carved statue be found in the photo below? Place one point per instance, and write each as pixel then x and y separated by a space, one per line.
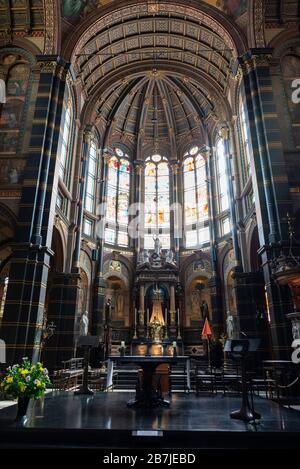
pixel 170 257
pixel 231 325
pixel 84 323
pixel 156 330
pixel 204 310
pixel 108 308
pixel 146 256
pixel 157 246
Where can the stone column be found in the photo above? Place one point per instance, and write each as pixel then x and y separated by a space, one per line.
pixel 138 194
pixel 62 308
pixel 214 283
pixel 270 184
pixel 100 283
pixel 175 215
pixel 141 321
pixel 24 308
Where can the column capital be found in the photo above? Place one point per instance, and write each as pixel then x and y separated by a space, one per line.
pixel 53 64
pixel 224 133
pixel 87 134
pixel 174 166
pixel 259 57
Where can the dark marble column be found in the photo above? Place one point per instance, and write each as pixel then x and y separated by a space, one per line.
pixel 214 283
pixel 270 184
pixel 100 283
pixel 176 217
pixel 24 308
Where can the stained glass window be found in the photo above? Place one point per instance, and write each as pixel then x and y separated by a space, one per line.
pixel 157 201
pixel 245 144
pixel 222 183
pixel 91 178
pixel 195 198
pixel 118 190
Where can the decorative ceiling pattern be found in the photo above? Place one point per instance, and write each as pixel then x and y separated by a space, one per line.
pixel 21 17
pixel 156 39
pixel 162 108
pixel 154 78
pixel 76 9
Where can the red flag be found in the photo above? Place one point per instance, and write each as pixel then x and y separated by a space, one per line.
pixel 206 331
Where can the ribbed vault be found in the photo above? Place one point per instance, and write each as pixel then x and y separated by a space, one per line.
pixel 154 78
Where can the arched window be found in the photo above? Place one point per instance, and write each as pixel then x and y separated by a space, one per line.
pixel 118 190
pixel 91 178
pixel 65 143
pixel 244 141
pixel 157 201
pixel 195 198
pixel 221 177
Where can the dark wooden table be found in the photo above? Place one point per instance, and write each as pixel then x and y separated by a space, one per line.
pixel 146 395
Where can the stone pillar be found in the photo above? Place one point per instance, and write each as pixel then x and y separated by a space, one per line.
pixel 214 283
pixel 141 321
pixel 100 283
pixel 224 134
pixel 175 215
pixel 270 184
pixel 24 308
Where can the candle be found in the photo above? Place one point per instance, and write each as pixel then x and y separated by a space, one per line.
pixel 166 316
pixel 174 344
pixel 147 316
pixel 123 344
pixel 178 319
pixel 135 317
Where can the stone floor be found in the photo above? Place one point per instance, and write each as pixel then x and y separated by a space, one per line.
pixel 187 420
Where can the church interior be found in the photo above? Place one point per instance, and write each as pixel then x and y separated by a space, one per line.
pixel 150 220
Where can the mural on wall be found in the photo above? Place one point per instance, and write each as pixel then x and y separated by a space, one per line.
pixel 233 8
pixel 197 302
pixel 16 72
pixel 11 170
pixel 73 10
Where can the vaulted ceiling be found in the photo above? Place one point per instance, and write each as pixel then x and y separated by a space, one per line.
pixel 157 77
pixel 164 109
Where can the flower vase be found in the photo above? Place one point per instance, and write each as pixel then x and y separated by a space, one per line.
pixel 22 406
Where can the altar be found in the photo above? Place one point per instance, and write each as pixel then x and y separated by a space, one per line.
pixel 146 394
pixel 157 304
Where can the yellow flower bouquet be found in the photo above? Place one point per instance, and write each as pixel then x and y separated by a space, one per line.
pixel 25 380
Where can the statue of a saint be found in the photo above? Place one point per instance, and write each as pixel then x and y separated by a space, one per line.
pixel 231 325
pixel 146 256
pixel 156 330
pixel 157 246
pixel 170 257
pixel 204 310
pixel 84 323
pixel 108 308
